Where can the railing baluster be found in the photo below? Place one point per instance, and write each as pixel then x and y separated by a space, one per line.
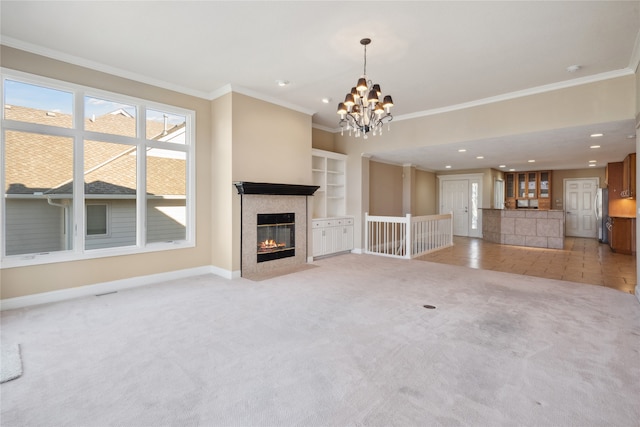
pixel 408 237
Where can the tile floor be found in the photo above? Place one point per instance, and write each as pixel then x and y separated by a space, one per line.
pixel 581 260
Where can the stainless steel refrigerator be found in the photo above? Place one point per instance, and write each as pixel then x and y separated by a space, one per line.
pixel 602 214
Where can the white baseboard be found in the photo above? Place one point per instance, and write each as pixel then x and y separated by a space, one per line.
pixel 116 285
pixel 227 274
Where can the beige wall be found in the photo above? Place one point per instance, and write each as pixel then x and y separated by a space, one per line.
pixel 425 193
pixel 276 148
pixel 637 98
pixel 222 198
pixel 322 140
pixel 385 189
pixel 388 187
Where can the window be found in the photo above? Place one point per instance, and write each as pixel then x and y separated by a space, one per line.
pixel 76 158
pixel 498 194
pixel 110 117
pixel 474 205
pixel 96 220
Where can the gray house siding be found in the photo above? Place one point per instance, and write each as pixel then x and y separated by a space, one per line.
pixel 34 226
pixel 121 226
pixel 166 219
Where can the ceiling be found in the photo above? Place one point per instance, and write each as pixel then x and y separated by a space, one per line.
pixel 430 56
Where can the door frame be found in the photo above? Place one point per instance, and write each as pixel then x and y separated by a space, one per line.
pixel 471 178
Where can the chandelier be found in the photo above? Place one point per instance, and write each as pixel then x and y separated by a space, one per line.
pixel 364 109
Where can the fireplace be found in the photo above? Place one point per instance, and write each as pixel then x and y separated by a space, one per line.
pixel 273 229
pixel 276 236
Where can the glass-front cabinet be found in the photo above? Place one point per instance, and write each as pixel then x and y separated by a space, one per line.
pixel 528 190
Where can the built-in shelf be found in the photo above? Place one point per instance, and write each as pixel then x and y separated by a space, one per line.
pixel 328 170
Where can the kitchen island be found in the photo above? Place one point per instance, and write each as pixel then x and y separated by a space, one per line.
pixel 524 227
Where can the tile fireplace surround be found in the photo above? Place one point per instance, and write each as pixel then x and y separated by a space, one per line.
pixel 265 198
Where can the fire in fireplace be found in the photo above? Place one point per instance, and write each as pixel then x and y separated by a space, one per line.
pixel 276 236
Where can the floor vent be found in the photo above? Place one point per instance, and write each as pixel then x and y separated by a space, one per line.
pixel 106 293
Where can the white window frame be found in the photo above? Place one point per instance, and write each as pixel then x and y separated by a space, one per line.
pixel 79 135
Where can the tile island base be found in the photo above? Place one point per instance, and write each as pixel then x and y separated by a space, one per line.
pixel 524 227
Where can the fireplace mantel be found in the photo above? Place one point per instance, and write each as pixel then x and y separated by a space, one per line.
pixel 265 188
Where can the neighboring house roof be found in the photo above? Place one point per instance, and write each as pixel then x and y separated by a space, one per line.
pixel 110 169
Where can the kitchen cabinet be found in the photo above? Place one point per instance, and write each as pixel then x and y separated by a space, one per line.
pixel 629 177
pixel 332 235
pixel 528 190
pixel 614 180
pixel 544 193
pixel 622 235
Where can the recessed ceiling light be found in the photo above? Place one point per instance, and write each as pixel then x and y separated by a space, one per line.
pixel 593 161
pixel 512 170
pixel 573 68
pixel 595 146
pixel 282 83
pixel 502 166
pixel 480 157
pixel 631 136
pixel 448 167
pixel 592 165
pixel 596 135
pixel 531 161
pixel 462 150
pixel 326 100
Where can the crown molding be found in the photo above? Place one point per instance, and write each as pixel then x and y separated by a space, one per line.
pixel 324 128
pixel 520 94
pixel 212 96
pixel 97 66
pixel 257 95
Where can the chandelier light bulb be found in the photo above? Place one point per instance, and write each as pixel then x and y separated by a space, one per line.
pixel 365 109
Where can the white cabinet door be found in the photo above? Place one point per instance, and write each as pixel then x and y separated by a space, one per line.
pixel 347 238
pixel 329 238
pixel 337 238
pixel 318 241
pixel 332 235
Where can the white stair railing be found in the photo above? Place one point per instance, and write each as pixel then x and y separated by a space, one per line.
pixel 407 237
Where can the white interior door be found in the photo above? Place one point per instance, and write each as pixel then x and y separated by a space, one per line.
pixel 579 206
pixel 455 198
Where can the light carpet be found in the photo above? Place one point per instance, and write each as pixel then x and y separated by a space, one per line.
pixel 10 362
pixel 348 343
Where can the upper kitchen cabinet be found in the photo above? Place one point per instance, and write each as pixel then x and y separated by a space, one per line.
pixel 629 177
pixel 614 180
pixel 528 190
pixel 619 206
